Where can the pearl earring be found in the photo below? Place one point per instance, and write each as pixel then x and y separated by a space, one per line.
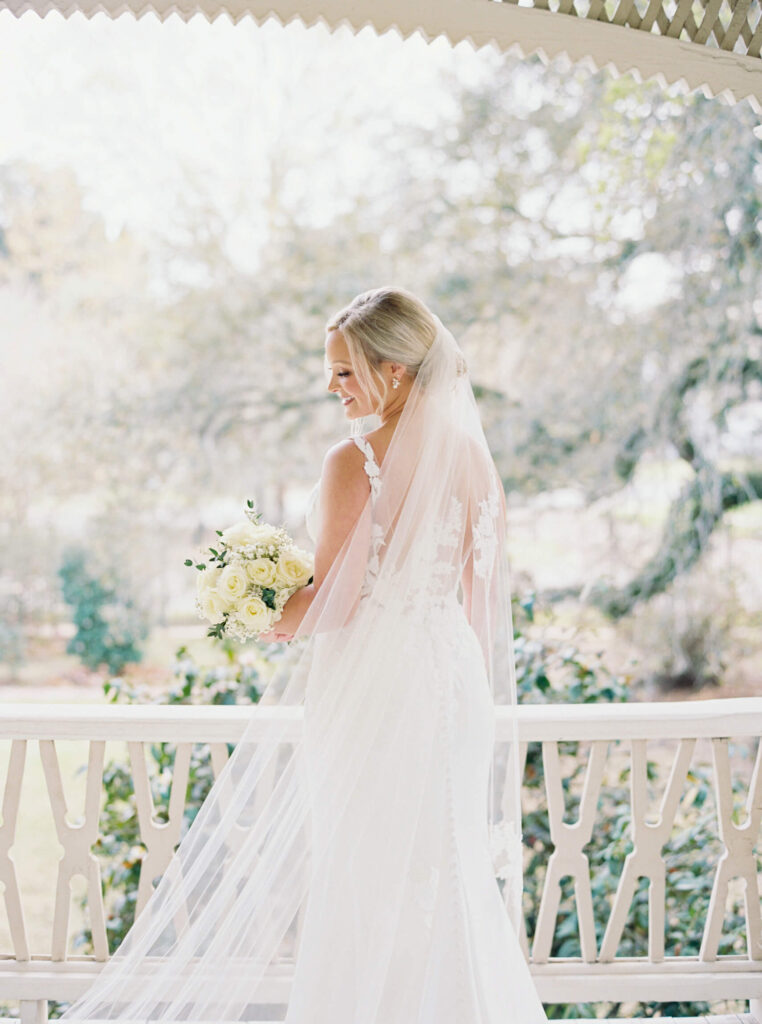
pixel 395 382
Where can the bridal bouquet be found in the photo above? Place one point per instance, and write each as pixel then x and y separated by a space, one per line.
pixel 251 573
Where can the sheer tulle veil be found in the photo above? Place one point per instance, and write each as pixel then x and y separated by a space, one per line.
pixel 222 925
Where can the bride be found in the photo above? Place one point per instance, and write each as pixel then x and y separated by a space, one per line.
pixel 340 870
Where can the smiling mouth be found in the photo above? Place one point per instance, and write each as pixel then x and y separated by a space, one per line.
pixel 346 401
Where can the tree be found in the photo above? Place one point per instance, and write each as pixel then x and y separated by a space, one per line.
pixel 560 188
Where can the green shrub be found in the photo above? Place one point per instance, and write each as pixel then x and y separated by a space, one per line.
pixel 109 626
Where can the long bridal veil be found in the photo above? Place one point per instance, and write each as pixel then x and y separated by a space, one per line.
pixel 223 923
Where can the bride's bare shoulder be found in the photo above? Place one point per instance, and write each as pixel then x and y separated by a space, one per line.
pixel 342 463
pixel 343 486
pixel 344 449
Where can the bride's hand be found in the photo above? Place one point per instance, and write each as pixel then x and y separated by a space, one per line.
pixel 272 636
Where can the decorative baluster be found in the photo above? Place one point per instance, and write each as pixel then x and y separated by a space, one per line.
pixel 237 834
pixel 646 860
pixel 737 860
pixel 510 812
pixel 568 857
pixel 219 757
pixel 77 841
pixel 159 838
pixel 11 892
pixel 33 1011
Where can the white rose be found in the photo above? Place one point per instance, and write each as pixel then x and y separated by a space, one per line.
pixel 269 534
pixel 233 582
pixel 243 532
pixel 213 605
pixel 207 578
pixel 254 615
pixel 293 569
pixel 261 571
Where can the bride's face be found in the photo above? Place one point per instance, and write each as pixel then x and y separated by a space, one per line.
pixel 342 380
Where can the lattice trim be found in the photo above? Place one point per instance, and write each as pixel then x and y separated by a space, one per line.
pixel 731 25
pixel 712 45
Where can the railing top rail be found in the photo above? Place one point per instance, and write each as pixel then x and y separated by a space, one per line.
pixel 723 717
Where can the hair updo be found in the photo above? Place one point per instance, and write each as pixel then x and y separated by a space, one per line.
pixel 384 325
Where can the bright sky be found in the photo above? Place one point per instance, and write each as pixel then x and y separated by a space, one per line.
pixel 137 108
pixel 152 116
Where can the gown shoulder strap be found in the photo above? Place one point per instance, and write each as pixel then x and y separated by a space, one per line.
pixel 371 466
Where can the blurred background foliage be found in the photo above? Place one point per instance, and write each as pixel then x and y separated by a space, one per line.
pixel 595 245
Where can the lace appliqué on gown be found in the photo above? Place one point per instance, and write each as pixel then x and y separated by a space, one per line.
pixel 376 530
pixel 433 583
pixel 371 466
pixel 484 536
pixel 436 582
pixel 432 594
pixel 505 847
pixel 431 586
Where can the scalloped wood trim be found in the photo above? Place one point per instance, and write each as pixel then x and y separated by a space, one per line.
pixel 623 44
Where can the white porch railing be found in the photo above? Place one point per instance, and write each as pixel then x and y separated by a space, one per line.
pixel 679 736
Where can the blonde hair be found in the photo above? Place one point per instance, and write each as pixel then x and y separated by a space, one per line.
pixel 384 325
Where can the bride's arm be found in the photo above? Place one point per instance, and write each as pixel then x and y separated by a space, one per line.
pixel 344 490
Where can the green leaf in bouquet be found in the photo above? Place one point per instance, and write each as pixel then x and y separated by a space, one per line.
pixel 251 514
pixel 201 565
pixel 268 596
pixel 189 561
pixel 218 532
pixel 217 630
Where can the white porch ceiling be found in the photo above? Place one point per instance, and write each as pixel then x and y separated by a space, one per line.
pixel 712 45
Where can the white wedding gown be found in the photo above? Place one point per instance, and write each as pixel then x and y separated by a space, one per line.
pixel 404 922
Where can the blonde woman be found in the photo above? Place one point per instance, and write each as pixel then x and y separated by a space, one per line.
pixel 341 871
